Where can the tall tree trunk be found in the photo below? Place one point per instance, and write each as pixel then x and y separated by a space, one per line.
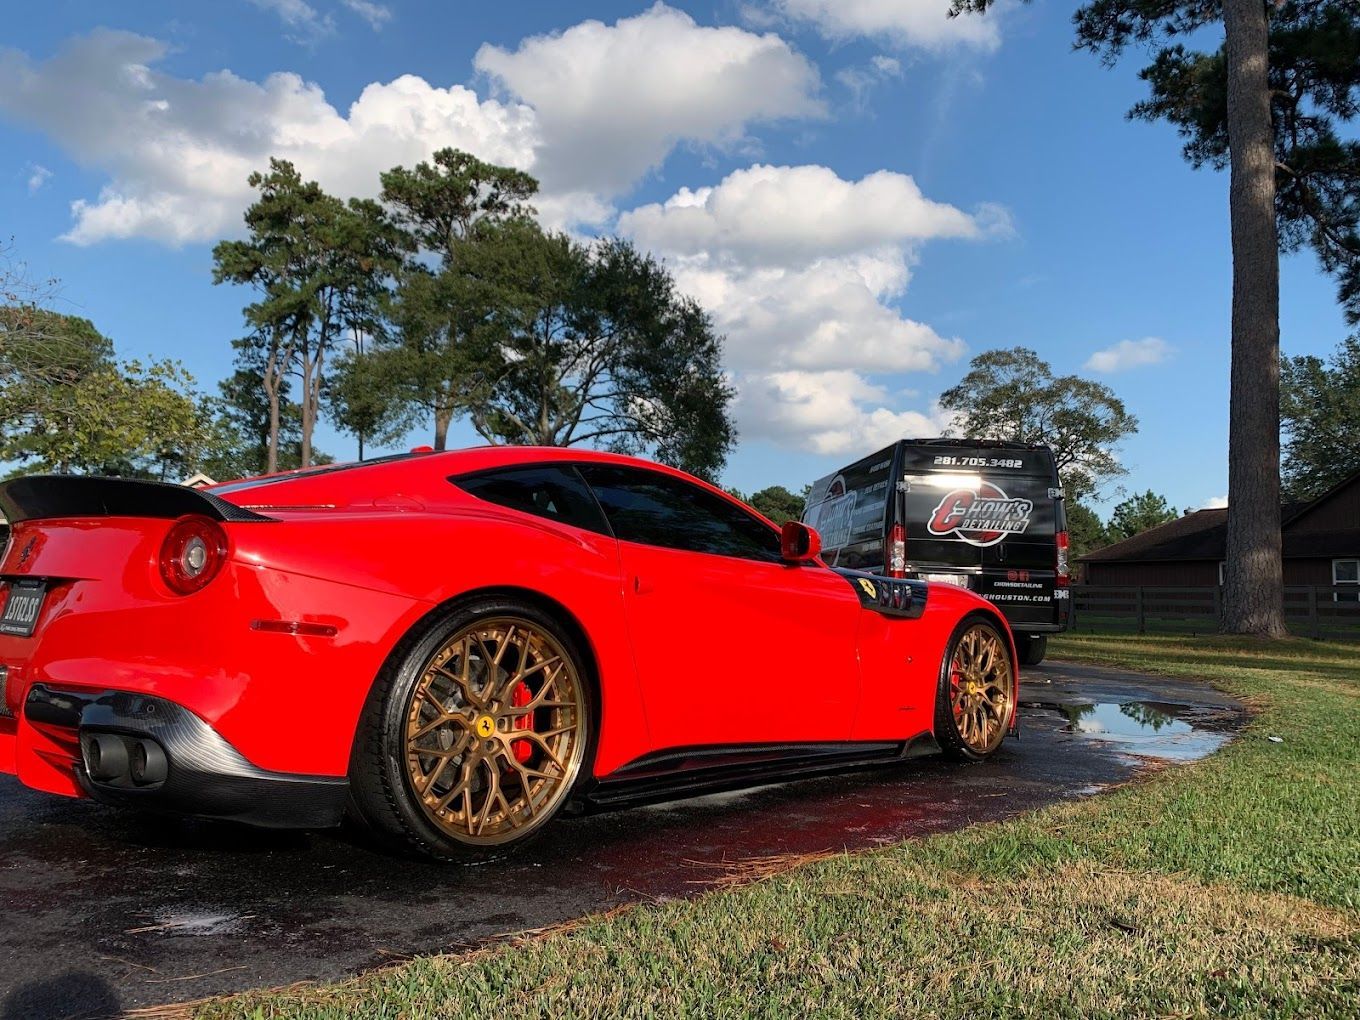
pixel 442 417
pixel 271 389
pixel 305 458
pixel 1253 587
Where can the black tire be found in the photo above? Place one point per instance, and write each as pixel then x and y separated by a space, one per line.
pixel 383 796
pixel 1031 649
pixel 952 736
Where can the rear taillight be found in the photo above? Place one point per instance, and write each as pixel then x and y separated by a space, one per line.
pixel 897 551
pixel 192 554
pixel 1064 573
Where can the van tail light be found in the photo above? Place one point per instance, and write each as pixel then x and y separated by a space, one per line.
pixel 191 555
pixel 897 551
pixel 1064 574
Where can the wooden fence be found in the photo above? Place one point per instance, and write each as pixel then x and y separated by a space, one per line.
pixel 1318 611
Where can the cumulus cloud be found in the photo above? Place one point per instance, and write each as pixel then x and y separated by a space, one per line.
pixel 825 412
pixel 178 150
pixel 1129 354
pixel 780 214
pixel 1214 503
pixel 924 24
pixel 602 104
pixel 613 100
pixel 802 270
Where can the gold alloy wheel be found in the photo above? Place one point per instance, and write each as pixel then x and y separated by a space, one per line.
pixel 980 686
pixel 495 731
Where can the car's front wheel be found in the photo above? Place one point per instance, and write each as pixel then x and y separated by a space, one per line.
pixel 477 734
pixel 975 702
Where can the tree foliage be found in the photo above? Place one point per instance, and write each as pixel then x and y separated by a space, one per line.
pixel 1012 394
pixel 1320 415
pixel 67 406
pixel 1314 80
pixel 320 266
pixel 1137 514
pixel 437 359
pixel 596 346
pixel 778 503
pixel 242 421
pixel 1085 531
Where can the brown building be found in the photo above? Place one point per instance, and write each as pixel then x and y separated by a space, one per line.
pixel 1321 547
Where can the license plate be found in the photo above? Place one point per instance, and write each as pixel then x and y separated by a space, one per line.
pixel 22 607
pixel 960 579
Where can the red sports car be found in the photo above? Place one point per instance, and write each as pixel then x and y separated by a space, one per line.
pixel 454 647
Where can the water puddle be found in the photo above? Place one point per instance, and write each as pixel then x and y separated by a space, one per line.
pixel 1143 728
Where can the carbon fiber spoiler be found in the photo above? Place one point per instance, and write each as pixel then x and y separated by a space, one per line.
pixel 35 497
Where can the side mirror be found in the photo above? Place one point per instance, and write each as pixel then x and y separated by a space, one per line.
pixel 798 543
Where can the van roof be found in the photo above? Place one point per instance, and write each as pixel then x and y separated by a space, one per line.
pixel 991 444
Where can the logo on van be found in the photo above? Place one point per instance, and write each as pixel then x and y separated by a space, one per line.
pixel 982 516
pixel 832 517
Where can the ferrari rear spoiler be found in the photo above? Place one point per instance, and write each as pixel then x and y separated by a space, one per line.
pixel 37 497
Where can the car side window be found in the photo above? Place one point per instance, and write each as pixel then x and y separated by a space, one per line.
pixel 552 491
pixel 655 509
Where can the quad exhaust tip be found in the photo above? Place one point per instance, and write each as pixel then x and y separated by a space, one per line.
pixel 123 761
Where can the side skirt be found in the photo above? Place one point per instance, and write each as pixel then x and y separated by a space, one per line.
pixel 695 771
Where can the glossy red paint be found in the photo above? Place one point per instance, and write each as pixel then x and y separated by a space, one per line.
pixel 686 648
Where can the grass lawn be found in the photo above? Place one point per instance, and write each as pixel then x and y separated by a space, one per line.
pixel 1229 887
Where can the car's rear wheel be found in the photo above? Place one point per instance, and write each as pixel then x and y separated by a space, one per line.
pixel 975 702
pixel 479 734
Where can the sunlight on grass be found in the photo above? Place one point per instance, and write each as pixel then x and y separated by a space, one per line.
pixel 1229 887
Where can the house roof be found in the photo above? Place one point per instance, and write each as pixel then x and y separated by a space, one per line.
pixel 1203 535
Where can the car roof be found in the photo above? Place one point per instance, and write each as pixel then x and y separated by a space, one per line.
pixel 413 474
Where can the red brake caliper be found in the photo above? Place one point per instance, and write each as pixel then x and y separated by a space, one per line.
pixel 522 748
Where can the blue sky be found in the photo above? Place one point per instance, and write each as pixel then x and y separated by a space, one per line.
pixel 864 194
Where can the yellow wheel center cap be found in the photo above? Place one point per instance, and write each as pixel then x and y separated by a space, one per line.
pixel 484 726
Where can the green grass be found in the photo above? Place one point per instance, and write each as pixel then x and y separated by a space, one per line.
pixel 1229 887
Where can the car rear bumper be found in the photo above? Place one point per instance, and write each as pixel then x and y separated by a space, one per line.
pixel 152 753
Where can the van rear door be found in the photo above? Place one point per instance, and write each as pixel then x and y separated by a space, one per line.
pixel 987 517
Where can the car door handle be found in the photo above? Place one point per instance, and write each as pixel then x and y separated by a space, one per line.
pixel 641 587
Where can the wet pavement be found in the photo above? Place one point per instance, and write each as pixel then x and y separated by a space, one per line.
pixel 102 911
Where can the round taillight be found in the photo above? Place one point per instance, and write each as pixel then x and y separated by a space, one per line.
pixel 191 555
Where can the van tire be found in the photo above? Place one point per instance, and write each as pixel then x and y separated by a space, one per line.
pixel 1031 649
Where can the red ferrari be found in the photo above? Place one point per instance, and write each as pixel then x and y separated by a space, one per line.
pixel 452 648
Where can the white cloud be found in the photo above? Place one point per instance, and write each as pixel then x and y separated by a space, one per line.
pixel 829 314
pixel 38 175
pixel 613 100
pixel 924 24
pixel 1214 503
pixel 775 214
pixel 1129 354
pixel 802 271
pixel 377 15
pixel 605 105
pixel 178 151
pixel 825 412
pixel 307 24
